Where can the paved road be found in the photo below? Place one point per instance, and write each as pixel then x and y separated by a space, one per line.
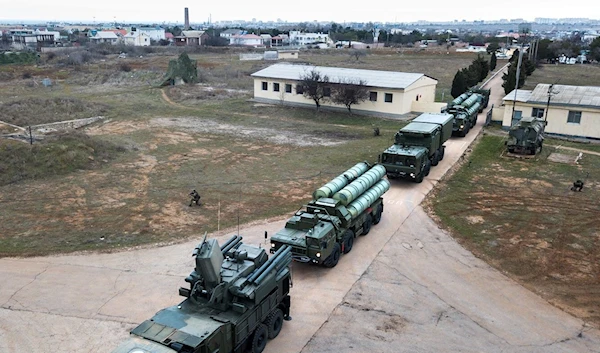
pixel 428 292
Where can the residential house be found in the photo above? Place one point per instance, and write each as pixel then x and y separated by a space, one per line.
pixel 266 40
pixel 191 38
pixel 155 33
pixel 572 111
pixel 250 40
pixel 228 33
pixel 390 93
pixel 137 38
pixel 105 37
pixel 302 39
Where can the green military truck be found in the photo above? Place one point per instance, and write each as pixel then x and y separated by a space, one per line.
pixel 237 299
pixel 464 109
pixel 342 209
pixel 418 146
pixel 526 136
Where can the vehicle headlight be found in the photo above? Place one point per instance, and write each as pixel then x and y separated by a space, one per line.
pixel 318 254
pixel 462 126
pixel 412 175
pixel 272 245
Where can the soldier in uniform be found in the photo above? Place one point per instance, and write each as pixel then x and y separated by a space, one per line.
pixel 195 198
pixel 577 185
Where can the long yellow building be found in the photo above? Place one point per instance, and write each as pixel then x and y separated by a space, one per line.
pixel 391 93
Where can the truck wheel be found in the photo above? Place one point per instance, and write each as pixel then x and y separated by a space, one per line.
pixel 348 241
pixel 367 225
pixel 274 323
pixel 427 168
pixel 334 257
pixel 259 340
pixel 419 178
pixel 436 158
pixel 442 152
pixel 378 214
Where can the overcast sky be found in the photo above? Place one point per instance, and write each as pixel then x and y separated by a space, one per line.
pixel 292 11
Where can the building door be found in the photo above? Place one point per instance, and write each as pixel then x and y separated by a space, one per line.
pixel 516 117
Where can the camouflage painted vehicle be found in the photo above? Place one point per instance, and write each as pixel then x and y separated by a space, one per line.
pixel 465 109
pixel 342 209
pixel 418 146
pixel 527 136
pixel 238 299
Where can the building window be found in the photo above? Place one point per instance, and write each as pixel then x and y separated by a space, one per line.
pixel 537 112
pixel 265 86
pixel 275 87
pixel 574 117
pixel 299 89
pixel 288 88
pixel 388 97
pixel 326 91
pixel 373 96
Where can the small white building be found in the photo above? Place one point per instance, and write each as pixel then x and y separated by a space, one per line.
pixel 301 38
pixel 390 93
pixel 228 33
pixel 251 40
pixel 573 110
pixel 154 33
pixel 105 37
pixel 138 39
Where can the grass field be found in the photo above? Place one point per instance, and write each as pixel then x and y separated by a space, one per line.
pixel 520 216
pixel 576 75
pixel 130 182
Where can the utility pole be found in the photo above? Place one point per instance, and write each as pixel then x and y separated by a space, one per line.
pixel 550 93
pixel 517 81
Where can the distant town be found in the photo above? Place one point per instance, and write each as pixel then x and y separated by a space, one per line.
pixel 576 35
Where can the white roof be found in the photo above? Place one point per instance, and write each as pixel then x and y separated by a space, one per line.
pixel 192 34
pixel 576 96
pixel 588 96
pixel 106 35
pixel 522 96
pixel 373 78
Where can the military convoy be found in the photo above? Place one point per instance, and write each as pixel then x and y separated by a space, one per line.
pixel 237 299
pixel 526 136
pixel 342 209
pixel 418 146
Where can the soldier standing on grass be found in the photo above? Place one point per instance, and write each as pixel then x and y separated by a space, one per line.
pixel 195 198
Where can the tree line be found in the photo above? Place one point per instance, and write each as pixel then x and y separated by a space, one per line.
pixel 470 76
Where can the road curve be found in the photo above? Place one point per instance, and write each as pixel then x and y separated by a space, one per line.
pixel 405 266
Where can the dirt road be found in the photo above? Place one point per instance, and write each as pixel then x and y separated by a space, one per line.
pixel 407 286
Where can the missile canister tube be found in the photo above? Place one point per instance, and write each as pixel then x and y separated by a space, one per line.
pixel 281 261
pixel 259 270
pixel 469 102
pixel 352 191
pixel 231 243
pixel 367 199
pixel 458 100
pixel 340 181
pixel 474 109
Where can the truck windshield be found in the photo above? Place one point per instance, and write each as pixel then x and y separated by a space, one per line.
pixel 398 160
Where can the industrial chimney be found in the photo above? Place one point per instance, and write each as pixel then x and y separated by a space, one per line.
pixel 186 25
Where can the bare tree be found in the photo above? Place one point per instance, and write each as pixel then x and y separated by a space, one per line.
pixel 314 86
pixel 348 92
pixel 358 53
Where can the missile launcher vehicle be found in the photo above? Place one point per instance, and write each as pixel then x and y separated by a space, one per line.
pixel 465 109
pixel 342 209
pixel 526 136
pixel 237 299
